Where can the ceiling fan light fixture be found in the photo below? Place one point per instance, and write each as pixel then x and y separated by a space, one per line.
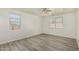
pixel 46 11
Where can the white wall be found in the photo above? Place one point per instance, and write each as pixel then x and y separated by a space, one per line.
pixel 69 26
pixel 30 25
pixel 77 27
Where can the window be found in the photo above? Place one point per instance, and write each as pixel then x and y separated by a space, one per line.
pixel 15 21
pixel 56 22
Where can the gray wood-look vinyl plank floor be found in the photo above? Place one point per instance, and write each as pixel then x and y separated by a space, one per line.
pixel 43 42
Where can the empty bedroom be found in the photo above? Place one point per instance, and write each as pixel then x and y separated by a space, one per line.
pixel 39 29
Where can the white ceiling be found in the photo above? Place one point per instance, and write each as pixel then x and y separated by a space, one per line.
pixel 29 10
pixel 36 11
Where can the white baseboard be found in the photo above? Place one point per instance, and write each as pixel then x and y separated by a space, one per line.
pixel 59 35
pixel 8 40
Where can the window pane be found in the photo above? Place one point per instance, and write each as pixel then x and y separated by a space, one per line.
pixel 59 25
pixel 14 21
pixel 59 20
pixel 52 25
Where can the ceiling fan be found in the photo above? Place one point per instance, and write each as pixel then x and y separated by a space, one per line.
pixel 46 11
